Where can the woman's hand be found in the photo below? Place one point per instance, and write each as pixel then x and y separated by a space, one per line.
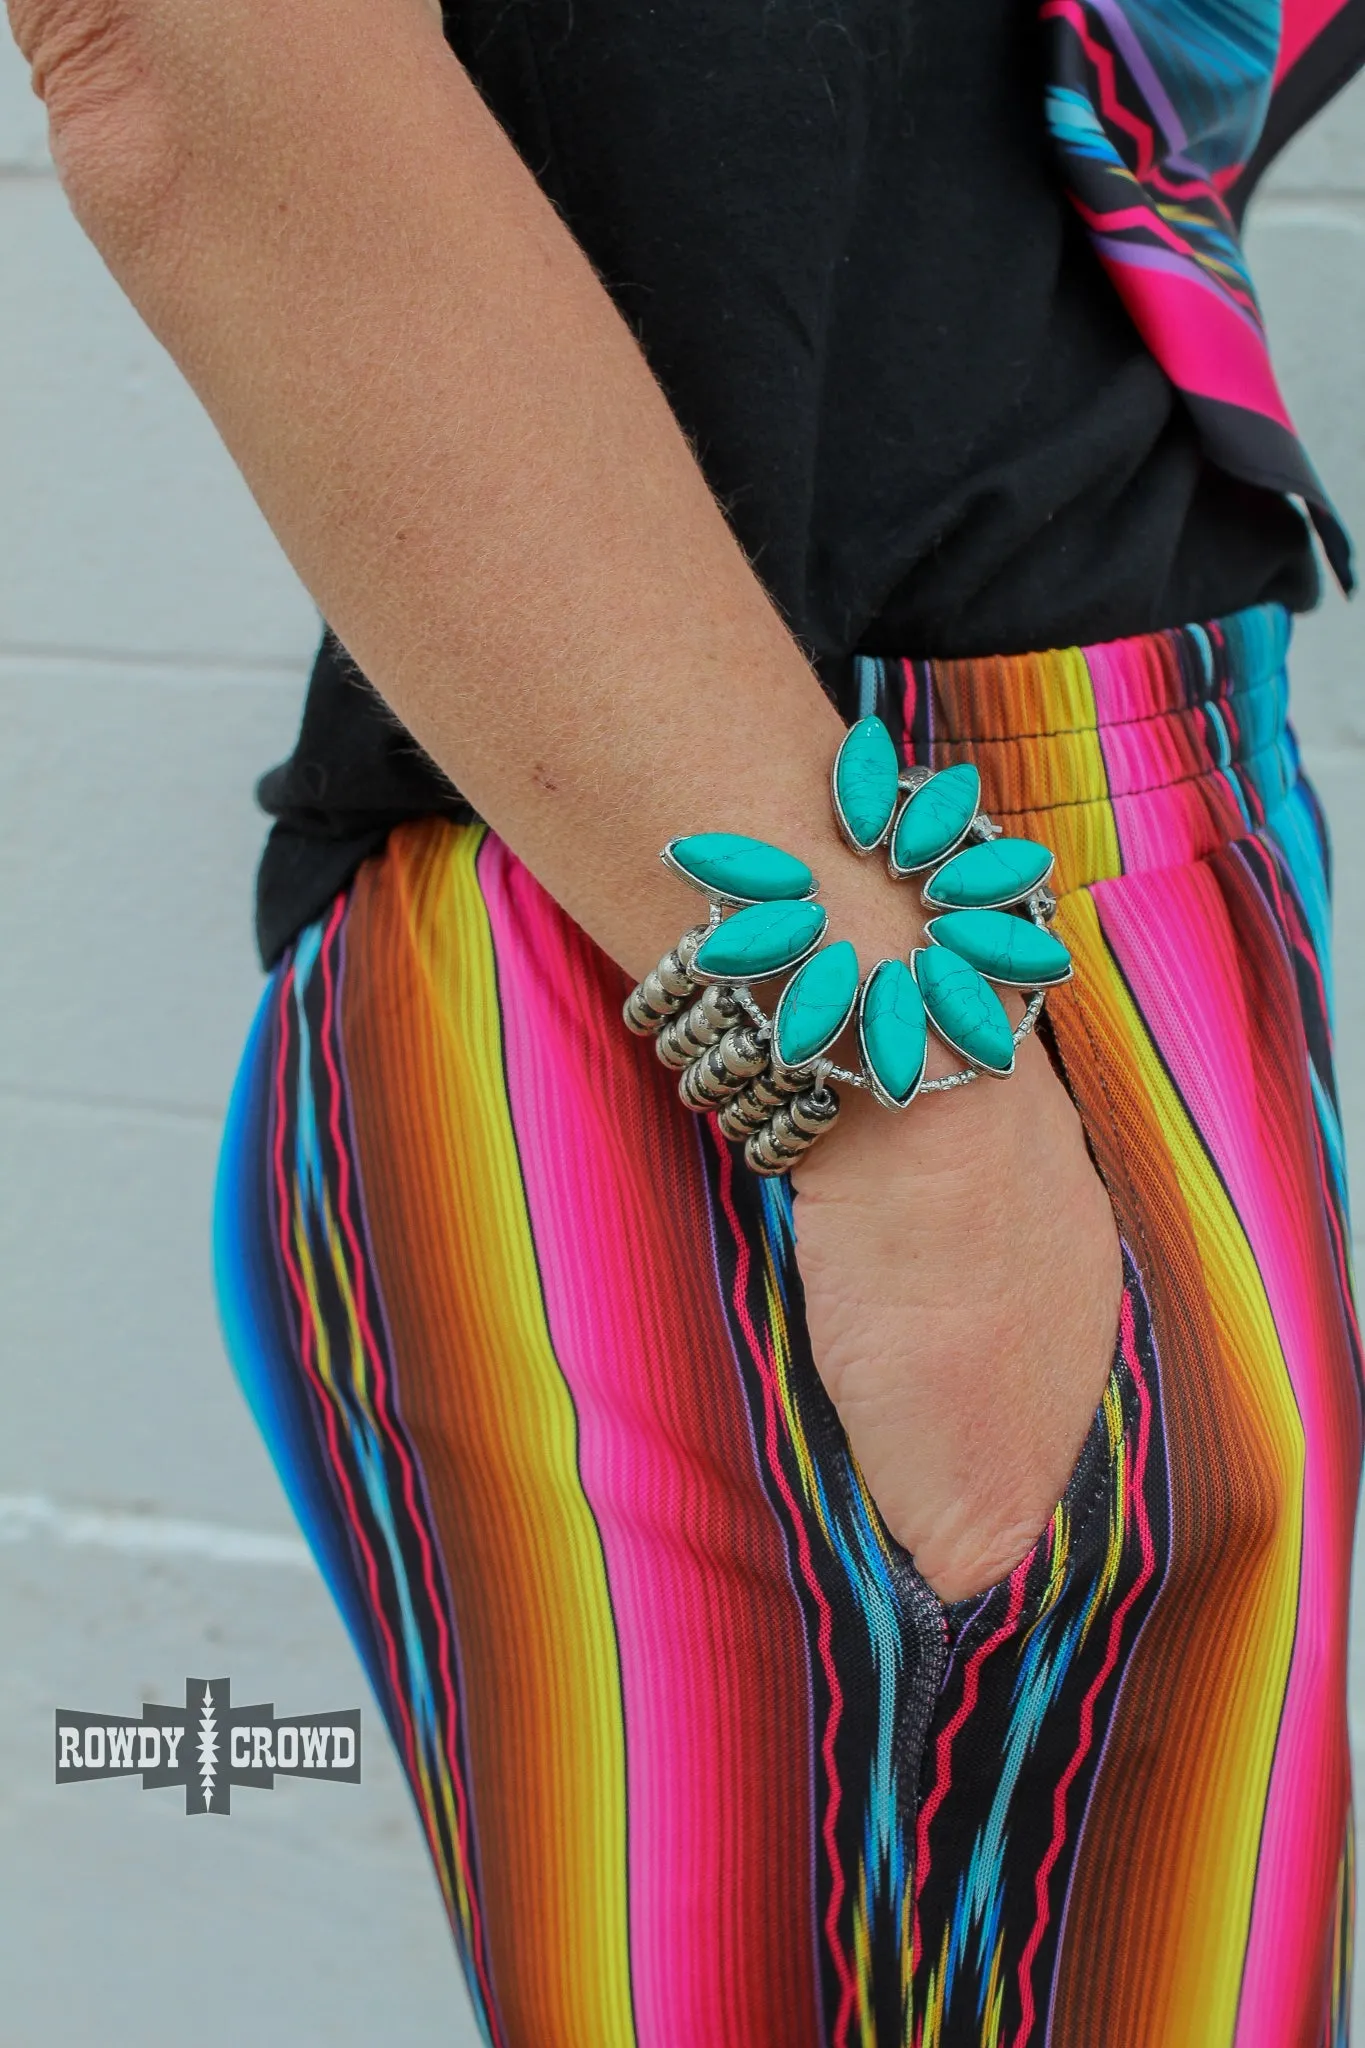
pixel 962 1279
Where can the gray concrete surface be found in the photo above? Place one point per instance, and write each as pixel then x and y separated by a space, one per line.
pixel 152 649
pixel 153 645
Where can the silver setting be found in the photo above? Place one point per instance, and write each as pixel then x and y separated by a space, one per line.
pixel 725 896
pixel 947 1081
pixel 846 830
pixel 1001 902
pixel 975 1066
pixel 1032 1011
pixel 894 869
pixel 701 976
pixel 869 1077
pixel 757 1016
pixel 730 1067
pixel 812 1058
pixel 999 980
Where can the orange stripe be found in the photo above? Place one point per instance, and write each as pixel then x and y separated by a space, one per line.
pixel 1165 1870
pixel 496 1434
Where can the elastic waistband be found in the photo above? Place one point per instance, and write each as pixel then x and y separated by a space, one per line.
pixel 1127 755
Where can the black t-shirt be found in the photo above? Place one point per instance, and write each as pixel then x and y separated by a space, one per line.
pixel 838 230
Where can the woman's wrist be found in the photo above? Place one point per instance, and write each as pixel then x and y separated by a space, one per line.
pixel 888 1002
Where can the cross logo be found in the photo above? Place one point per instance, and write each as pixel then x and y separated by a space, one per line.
pixel 208 1746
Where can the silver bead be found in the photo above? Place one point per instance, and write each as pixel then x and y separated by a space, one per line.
pixel 765 1093
pixel 763 1157
pixel 672 1048
pixel 681 1042
pixel 808 1115
pixel 667 988
pixel 709 1018
pixel 791 1130
pixel 718 1007
pixel 742 1053
pixel 781 1139
pixel 723 1069
pixel 639 1013
pixel 741 1116
pixel 675 969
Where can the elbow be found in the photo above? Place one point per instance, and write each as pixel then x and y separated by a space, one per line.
pixel 112 143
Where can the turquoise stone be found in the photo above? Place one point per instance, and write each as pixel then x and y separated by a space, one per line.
pixel 816 1004
pixel 761 940
pixel 892 1034
pixel 739 870
pixel 990 875
pixel 866 783
pixel 1006 949
pixel 935 817
pixel 964 1010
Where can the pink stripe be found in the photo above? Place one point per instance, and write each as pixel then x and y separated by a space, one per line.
pixel 702 1800
pixel 1196 998
pixel 1302 22
pixel 1204 345
pixel 1177 262
pixel 1134 680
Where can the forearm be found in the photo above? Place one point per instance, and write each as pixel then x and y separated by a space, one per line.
pixel 462 450
pixel 456 439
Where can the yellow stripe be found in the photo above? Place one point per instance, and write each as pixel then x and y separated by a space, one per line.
pixel 500 1448
pixel 1207 1810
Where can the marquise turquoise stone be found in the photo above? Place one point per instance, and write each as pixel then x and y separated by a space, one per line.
pixel 892 1033
pixel 1006 949
pixel 990 875
pixel 964 1010
pixel 816 1004
pixel 761 940
pixel 740 870
pixel 866 782
pixel 935 817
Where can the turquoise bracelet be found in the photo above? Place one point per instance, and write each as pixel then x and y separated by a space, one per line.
pixel 771 1076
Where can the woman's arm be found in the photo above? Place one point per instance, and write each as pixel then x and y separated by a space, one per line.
pixel 450 429
pixel 458 443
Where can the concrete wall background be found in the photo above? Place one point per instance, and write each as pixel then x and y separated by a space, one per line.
pixel 153 644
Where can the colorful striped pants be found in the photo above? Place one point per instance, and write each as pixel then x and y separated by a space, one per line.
pixel 701 1761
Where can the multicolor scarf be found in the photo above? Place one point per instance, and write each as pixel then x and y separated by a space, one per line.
pixel 1165 112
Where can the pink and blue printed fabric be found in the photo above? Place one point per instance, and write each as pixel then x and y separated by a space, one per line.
pixel 1165 112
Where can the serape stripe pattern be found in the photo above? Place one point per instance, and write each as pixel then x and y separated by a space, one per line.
pixel 1163 113
pixel 698 1755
